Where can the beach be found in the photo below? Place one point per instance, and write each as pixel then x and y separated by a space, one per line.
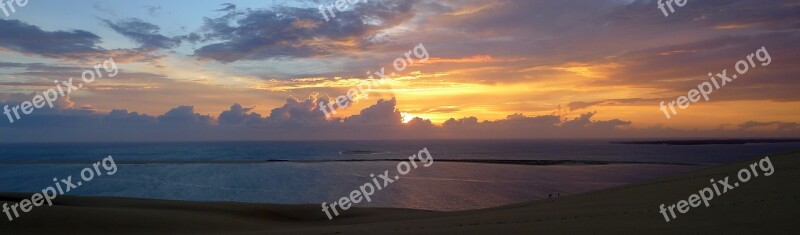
pixel 763 205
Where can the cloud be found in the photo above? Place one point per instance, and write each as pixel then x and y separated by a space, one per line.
pixel 75 45
pixel 185 115
pixel 580 105
pixel 301 120
pixel 298 112
pixel 631 101
pixel 572 51
pixel 61 104
pixel 383 112
pixel 121 117
pixel 676 73
pixel 768 14
pixel 555 33
pixel 461 123
pixel 228 7
pixel 778 125
pixel 39 67
pixel 239 115
pixel 420 123
pixel 146 34
pixel 152 10
pixel 28 39
pixel 288 32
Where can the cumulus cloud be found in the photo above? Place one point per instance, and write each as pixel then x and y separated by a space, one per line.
pixel 239 115
pixel 300 119
pixel 460 123
pixel 125 118
pixel 384 112
pixel 298 112
pixel 185 115
pixel 420 123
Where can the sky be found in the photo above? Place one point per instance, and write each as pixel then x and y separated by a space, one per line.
pixel 251 70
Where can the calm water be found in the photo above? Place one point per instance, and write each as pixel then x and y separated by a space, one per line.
pixel 442 186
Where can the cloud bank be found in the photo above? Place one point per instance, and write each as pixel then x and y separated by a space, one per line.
pixel 300 119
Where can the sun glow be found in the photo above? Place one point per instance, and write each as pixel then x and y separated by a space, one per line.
pixel 407 117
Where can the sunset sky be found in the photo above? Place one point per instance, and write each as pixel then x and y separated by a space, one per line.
pixel 607 63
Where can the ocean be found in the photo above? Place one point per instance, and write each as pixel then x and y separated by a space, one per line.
pixel 312 172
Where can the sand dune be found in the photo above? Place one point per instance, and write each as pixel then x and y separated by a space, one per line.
pixel 763 205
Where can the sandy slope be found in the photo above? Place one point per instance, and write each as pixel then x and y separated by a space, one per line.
pixel 762 205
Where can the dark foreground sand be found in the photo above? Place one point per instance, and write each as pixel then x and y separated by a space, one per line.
pixel 764 205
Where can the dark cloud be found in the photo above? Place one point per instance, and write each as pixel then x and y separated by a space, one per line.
pixel 39 67
pixel 300 119
pixel 75 45
pixel 384 112
pixel 462 122
pixel 28 39
pixel 580 105
pixel 228 7
pixel 668 67
pixel 185 115
pixel 144 33
pixel 121 117
pixel 420 123
pixel 239 115
pixel 766 14
pixel 553 33
pixel 298 112
pixel 296 32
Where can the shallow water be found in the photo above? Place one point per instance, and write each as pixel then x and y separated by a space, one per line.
pixel 442 186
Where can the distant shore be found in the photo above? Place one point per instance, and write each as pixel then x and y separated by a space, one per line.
pixel 765 205
pixel 711 141
pixel 483 161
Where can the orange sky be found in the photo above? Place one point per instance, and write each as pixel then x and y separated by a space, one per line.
pixel 620 58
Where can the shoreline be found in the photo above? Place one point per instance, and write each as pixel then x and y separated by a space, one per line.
pixel 770 201
pixel 478 161
pixel 709 141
